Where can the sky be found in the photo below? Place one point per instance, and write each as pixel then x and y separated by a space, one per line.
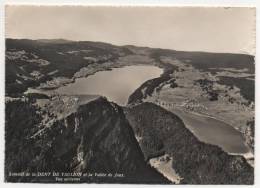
pixel 207 29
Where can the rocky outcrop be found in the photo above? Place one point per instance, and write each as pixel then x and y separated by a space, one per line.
pixel 249 134
pixel 160 131
pixel 96 138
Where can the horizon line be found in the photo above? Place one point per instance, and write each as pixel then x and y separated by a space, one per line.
pixel 195 51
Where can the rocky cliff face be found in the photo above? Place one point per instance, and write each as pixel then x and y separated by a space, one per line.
pixel 96 138
pixel 160 131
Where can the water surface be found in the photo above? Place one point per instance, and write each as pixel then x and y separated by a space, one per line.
pixel 117 85
pixel 214 132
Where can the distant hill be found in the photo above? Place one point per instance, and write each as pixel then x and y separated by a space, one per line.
pixel 62 58
pixel 54 41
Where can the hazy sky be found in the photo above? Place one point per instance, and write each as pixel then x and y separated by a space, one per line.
pixel 191 29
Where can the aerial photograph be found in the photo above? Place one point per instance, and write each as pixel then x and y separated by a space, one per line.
pixel 129 95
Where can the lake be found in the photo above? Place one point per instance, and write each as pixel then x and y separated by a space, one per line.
pixel 117 84
pixel 214 132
